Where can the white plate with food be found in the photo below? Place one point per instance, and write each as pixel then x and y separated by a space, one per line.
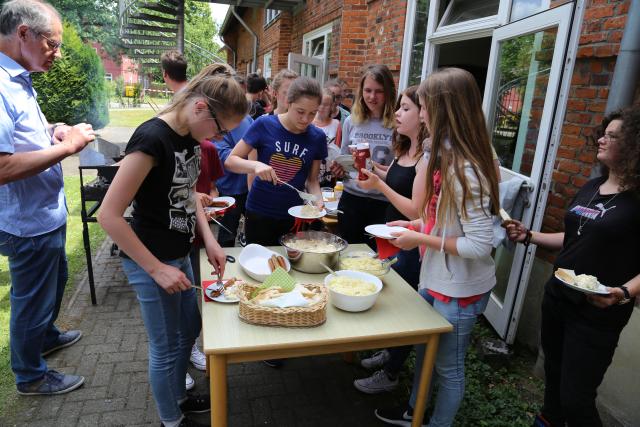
pixel 346 161
pixel 581 282
pixel 383 231
pixel 220 205
pixel 257 261
pixel 231 293
pixel 307 212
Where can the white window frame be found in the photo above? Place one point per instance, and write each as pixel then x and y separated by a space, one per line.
pixel 324 31
pixel 267 64
pixel 270 15
pixel 108 77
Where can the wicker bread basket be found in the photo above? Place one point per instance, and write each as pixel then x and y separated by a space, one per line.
pixel 292 317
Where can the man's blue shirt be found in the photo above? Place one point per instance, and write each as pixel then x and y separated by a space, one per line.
pixel 232 183
pixel 35 205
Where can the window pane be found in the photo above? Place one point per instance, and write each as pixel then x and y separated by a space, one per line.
pixel 419 36
pixel 523 73
pixel 523 8
pixel 466 10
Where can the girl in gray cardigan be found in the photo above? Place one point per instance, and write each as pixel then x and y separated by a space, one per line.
pixel 454 232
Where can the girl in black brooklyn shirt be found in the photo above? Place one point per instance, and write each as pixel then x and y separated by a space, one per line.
pixel 159 173
pixel 579 332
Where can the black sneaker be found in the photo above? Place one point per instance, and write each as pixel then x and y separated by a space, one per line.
pixel 51 383
pixel 65 339
pixel 196 404
pixel 397 416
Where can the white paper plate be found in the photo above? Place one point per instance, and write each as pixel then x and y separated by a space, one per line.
pixel 346 161
pixel 297 212
pixel 383 231
pixel 602 290
pixel 230 201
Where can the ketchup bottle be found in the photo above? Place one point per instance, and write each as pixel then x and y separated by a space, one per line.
pixel 362 155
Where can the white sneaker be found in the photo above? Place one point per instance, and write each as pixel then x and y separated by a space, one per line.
pixel 377 383
pixel 189 382
pixel 198 359
pixel 377 360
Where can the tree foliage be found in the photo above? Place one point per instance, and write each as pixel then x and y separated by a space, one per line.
pixel 95 20
pixel 73 90
pixel 199 29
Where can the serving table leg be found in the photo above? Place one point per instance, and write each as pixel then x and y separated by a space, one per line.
pixel 425 380
pixel 218 383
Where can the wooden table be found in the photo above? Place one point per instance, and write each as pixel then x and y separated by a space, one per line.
pixel 399 317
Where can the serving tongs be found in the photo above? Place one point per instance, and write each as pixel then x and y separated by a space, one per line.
pixel 307 197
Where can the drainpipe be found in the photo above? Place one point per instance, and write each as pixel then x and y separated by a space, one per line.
pixel 233 53
pixel 254 62
pixel 627 71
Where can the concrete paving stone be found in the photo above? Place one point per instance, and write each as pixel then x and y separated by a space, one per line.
pixel 260 409
pixel 142 351
pixel 151 413
pixel 265 390
pixel 87 364
pixel 102 374
pixel 68 415
pixel 111 315
pixel 89 421
pixel 114 335
pixel 101 348
pixel 86 393
pixel 130 366
pixel 117 357
pixel 241 420
pixel 138 395
pixel 122 418
pixel 119 386
pixel 124 305
pixel 49 406
pixel 129 343
pixel 103 405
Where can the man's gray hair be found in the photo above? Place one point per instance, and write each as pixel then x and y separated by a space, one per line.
pixel 32 13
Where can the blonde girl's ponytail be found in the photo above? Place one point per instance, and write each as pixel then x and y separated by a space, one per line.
pixel 216 84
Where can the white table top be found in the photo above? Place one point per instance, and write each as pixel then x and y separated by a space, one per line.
pixel 398 312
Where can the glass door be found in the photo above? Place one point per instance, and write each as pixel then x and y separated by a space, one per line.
pixel 523 80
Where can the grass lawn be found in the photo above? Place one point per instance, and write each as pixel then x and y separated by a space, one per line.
pixel 77 264
pixel 129 117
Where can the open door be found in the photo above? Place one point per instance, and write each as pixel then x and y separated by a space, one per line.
pixel 523 80
pixel 306 66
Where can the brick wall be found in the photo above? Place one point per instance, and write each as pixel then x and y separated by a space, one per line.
pixel 600 37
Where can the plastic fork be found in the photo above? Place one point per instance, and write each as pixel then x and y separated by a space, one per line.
pixel 307 197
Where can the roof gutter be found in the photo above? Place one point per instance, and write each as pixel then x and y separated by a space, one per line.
pixel 233 52
pixel 627 70
pixel 254 62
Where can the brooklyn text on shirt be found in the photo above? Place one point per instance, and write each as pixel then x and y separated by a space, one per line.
pixel 383 137
pixel 290 148
pixel 590 213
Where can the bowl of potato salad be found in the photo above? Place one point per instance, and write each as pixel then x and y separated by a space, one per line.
pixel 364 261
pixel 353 290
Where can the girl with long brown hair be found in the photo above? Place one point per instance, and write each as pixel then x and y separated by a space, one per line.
pixel 455 230
pixel 159 173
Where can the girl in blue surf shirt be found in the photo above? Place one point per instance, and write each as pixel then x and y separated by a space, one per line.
pixel 289 149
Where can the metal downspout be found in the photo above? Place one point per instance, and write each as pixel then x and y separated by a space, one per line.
pixel 627 70
pixel 233 52
pixel 180 34
pixel 254 62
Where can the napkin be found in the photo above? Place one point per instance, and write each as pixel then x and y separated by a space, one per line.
pixel 385 248
pixel 299 223
pixel 205 285
pixel 278 278
pixel 289 299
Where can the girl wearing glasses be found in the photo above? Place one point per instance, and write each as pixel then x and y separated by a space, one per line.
pixel 158 174
pixel 289 149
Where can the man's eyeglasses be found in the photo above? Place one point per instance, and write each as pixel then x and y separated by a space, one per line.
pixel 53 45
pixel 222 131
pixel 608 137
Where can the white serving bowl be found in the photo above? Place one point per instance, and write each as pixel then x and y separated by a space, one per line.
pixel 354 303
pixel 254 260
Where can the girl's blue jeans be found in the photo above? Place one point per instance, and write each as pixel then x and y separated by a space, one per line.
pixel 448 373
pixel 173 324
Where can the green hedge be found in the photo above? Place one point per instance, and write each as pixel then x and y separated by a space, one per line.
pixel 74 90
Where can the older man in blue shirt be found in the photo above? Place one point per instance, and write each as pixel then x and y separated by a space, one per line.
pixel 33 212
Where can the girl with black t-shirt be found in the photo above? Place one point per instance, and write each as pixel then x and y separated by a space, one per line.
pixel 397 185
pixel 579 332
pixel 289 149
pixel 158 174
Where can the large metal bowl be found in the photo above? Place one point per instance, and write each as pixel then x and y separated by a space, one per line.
pixel 309 261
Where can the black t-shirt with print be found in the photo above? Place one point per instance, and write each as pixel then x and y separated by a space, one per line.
pixel 607 246
pixel 164 206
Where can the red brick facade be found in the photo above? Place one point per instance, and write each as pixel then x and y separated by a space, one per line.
pixel 371 31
